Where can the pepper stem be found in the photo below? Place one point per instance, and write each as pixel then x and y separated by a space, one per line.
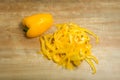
pixel 25 29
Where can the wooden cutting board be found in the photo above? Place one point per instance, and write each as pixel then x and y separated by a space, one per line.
pixel 18 55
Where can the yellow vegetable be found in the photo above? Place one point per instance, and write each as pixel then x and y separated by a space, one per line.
pixel 37 24
pixel 69 46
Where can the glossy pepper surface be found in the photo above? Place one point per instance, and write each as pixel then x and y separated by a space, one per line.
pixel 37 24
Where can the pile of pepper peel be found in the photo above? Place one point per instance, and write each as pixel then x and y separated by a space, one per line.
pixel 68 46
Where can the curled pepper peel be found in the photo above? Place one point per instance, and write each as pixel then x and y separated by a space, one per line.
pixel 69 46
pixel 37 24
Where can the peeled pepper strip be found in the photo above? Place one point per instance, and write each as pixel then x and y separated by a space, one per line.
pixel 69 46
pixel 37 24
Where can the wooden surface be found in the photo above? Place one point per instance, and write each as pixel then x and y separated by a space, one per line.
pixel 18 58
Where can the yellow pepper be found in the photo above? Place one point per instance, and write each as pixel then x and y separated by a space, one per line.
pixel 37 24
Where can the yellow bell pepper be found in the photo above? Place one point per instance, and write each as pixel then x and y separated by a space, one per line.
pixel 37 24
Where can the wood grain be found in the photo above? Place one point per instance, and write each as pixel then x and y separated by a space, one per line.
pixel 18 55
